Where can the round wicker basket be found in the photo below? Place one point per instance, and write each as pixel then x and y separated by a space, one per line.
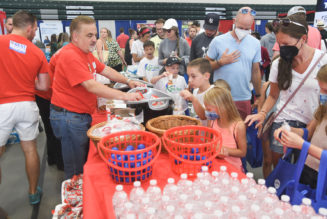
pixel 160 124
pixel 96 139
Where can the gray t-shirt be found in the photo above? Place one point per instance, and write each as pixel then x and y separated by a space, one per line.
pixel 268 41
pixel 200 45
pixel 167 46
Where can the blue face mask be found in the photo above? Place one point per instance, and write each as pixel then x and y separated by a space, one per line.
pixel 211 115
pixel 323 99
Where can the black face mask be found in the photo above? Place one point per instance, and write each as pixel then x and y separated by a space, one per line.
pixel 288 52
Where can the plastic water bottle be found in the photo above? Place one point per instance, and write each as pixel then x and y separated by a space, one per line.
pixel 169 188
pixel 235 212
pixel 306 208
pixel 234 192
pixel 137 193
pixel 272 193
pixel 183 198
pixel 165 201
pixel 249 176
pixel 182 183
pixel 323 212
pixel 262 189
pixel 208 207
pixel 170 211
pixel 154 192
pixel 267 203
pixel 225 184
pixel 245 185
pixel 252 194
pixel 234 179
pixel 150 213
pixel 296 211
pixel 215 178
pixel 146 204
pixel 206 174
pixel 118 200
pixel 224 203
pixel 197 195
pixel 189 210
pixel 218 214
pixel 197 184
pixel 254 212
pixel 216 194
pixel 223 172
pixel 285 203
pixel 242 202
pixel 119 196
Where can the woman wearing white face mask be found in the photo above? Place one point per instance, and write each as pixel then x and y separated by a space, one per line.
pixel 286 75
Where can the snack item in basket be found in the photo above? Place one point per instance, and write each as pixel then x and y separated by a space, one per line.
pixel 117 125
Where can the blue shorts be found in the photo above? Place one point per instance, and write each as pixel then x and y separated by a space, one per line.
pixel 275 146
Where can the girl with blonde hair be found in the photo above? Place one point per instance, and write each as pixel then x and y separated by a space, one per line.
pixel 224 116
pixel 316 132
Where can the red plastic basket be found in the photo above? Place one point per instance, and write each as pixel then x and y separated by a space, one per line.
pixel 129 166
pixel 191 147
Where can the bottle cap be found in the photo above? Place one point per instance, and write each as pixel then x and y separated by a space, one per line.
pixel 204 169
pixel 137 184
pixel 208 204
pixel 279 211
pixel 268 200
pixel 183 176
pixel 236 209
pixel 165 198
pixel 171 180
pixel 242 198
pixel 215 173
pixel 198 216
pixel 272 190
pixel 151 211
pixel 265 217
pixel 183 197
pixel 153 182
pixel 234 175
pixel 235 189
pixel 224 199
pixel 306 201
pixel 253 191
pixel 285 198
pixel 223 168
pixel 189 206
pixel 255 207
pixel 199 175
pixel 244 181
pixel 296 208
pixel 218 213
pixel 198 192
pixel 249 175
pixel 323 211
pixel 216 190
pixel 225 181
pixel 261 182
pixel 206 182
pixel 139 192
pixel 178 217
pixel 131 216
pixel 119 187
pixel 170 208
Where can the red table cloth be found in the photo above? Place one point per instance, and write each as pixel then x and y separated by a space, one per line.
pixel 98 187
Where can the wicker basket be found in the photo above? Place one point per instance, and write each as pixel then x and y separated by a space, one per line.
pixel 160 124
pixel 96 139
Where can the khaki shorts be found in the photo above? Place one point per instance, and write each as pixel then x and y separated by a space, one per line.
pixel 23 116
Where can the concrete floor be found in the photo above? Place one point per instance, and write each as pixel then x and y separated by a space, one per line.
pixel 14 186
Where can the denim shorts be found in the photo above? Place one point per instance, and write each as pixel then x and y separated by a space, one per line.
pixel 275 146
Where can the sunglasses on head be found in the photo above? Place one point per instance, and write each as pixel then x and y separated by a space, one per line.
pixel 246 11
pixel 287 21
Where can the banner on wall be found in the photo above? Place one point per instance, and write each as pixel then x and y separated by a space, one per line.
pixel 321 12
pixel 47 28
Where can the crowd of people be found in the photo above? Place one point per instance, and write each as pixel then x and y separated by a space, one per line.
pixel 220 74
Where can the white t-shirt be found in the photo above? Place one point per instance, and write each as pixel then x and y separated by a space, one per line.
pixel 137 48
pixel 199 97
pixel 148 68
pixel 178 84
pixel 306 100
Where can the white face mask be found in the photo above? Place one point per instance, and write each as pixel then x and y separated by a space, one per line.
pixel 241 33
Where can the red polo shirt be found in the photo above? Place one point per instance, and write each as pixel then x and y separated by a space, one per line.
pixel 122 39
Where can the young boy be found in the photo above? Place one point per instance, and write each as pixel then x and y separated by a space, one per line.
pixel 199 73
pixel 172 83
pixel 148 66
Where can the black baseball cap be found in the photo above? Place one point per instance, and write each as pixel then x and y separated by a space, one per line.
pixel 211 21
pixel 172 60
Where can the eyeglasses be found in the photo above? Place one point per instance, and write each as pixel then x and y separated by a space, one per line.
pixel 246 11
pixel 168 31
pixel 286 22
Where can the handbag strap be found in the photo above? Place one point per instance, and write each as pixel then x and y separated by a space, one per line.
pixel 298 88
pixel 322 181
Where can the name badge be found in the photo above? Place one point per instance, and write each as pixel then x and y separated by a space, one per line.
pixel 21 48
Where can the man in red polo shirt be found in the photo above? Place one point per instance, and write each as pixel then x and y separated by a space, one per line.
pixel 75 91
pixel 23 69
pixel 122 39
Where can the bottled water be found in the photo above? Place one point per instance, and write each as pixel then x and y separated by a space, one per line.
pixel 234 179
pixel 206 174
pixel 118 200
pixel 216 194
pixel 267 203
pixel 128 211
pixel 306 208
pixel 323 212
pixel 198 181
pixel 234 192
pixel 168 189
pixel 224 203
pixel 208 207
pixel 235 212
pixel 189 210
pixel 254 212
pixel 225 184
pixel 154 192
pixel 218 214
pixel 215 178
pixel 278 213
pixel 165 201
pixel 170 211
pixel 150 213
pixel 272 193
pixel 296 211
pixel 137 193
pixel 262 189
pixel 223 172
pixel 285 203
pixel 182 183
pixel 249 176
pixel 242 202
pixel 197 195
pixel 252 194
